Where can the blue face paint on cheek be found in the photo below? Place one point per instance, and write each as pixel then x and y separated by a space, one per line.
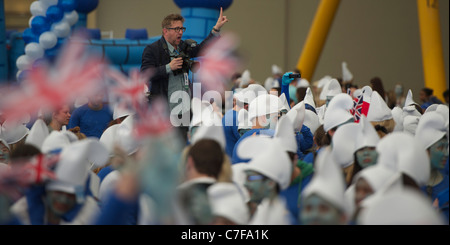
pixel 366 157
pixel 317 211
pixel 439 154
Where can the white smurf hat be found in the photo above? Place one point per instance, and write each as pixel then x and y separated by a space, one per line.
pixel 243 121
pixel 401 207
pixel 37 134
pixel 74 165
pixel 347 76
pixel 368 137
pixel 286 134
pixel 311 121
pixel 409 99
pixel 274 163
pixel 309 98
pixel 108 138
pixel 376 175
pixel 200 110
pixel 410 124
pixel 227 201
pixel 431 128
pixel 343 143
pixel 276 70
pixel 338 111
pixel 400 152
pixel 297 115
pixel 108 184
pixel 328 180
pixel 120 111
pixel 397 115
pixel 334 88
pixel 252 146
pixel 239 177
pixel 56 140
pixel 213 131
pixel 302 83
pixel 245 78
pixel 284 103
pixel 263 105
pixel 324 84
pixel 378 109
pixel 125 136
pixel 257 90
pixel 13 131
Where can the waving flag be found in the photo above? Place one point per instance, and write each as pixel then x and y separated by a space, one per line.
pixel 76 73
pixel 218 63
pixel 22 174
pixel 361 104
pixel 153 120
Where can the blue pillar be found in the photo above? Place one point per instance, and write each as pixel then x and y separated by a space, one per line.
pixel 83 8
pixel 3 56
pixel 200 16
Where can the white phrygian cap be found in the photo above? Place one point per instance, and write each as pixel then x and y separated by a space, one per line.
pixel 431 128
pixel 274 163
pixel 334 88
pixel 121 111
pixel 212 130
pixel 37 134
pixel 376 176
pixel 243 121
pixel 109 138
pixel 402 153
pixel 57 140
pixel 263 105
pixel 397 115
pixel 323 83
pixel 328 180
pixel 338 111
pixel 378 109
pixel 309 98
pixel 227 201
pixel 311 121
pixel 286 134
pixel 368 137
pixel 245 78
pixel 13 131
pixel 410 124
pixel 284 103
pixel 125 136
pixel 343 143
pixel 297 115
pixel 409 99
pixel 75 162
pixel 276 70
pixel 347 76
pixel 302 83
pixel 400 207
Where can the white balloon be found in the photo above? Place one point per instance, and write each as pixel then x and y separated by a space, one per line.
pixel 34 51
pixel 61 29
pixel 49 2
pixel 38 9
pixel 23 62
pixel 71 17
pixel 48 40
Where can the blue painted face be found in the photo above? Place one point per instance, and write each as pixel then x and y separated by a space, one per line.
pixel 366 156
pixel 317 211
pixel 257 185
pixel 439 154
pixel 61 202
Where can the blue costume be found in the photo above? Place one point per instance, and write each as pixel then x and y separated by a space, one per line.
pixel 230 128
pixel 104 171
pixel 435 190
pixel 235 159
pixel 91 122
pixel 443 203
pixel 117 211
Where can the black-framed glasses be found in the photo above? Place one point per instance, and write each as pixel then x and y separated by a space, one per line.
pixel 177 29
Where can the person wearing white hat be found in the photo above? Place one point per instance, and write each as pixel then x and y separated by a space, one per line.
pixel 432 135
pixel 227 204
pixel 230 121
pixel 264 181
pixel 274 80
pixel 245 79
pixel 380 115
pixel 14 133
pixel 338 113
pixel 323 201
pixel 365 153
pixel 70 198
pixel 263 113
pixel 244 124
pixel 37 134
pixel 411 106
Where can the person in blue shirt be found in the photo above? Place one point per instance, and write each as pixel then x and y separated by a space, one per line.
pixel 230 126
pixel 93 117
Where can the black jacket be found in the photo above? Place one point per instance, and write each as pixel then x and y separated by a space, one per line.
pixel 156 56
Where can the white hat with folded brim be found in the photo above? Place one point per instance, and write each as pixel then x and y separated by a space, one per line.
pixel 297 115
pixel 57 140
pixel 239 177
pixel 347 76
pixel 343 143
pixel 276 70
pixel 378 109
pixel 245 78
pixel 369 136
pixel 431 128
pixel 13 131
pixel 37 134
pixel 410 124
pixel 409 99
pixel 302 83
pixel 286 134
pixel 338 111
pixel 109 139
pixel 309 98
pixel 227 201
pixel 121 111
pixel 334 88
pixel 243 121
pixel 212 130
pixel 397 115
pixel 328 180
pixel 264 104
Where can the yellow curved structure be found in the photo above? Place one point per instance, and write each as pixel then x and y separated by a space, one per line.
pixel 431 42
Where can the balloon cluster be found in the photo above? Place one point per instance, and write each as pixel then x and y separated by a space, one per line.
pixel 50 24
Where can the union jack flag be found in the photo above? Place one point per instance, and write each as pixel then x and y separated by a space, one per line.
pixel 23 173
pixel 357 107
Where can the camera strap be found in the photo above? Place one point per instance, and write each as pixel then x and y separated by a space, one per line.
pixel 186 79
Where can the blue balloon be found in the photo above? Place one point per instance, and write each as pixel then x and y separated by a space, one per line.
pixel 86 6
pixel 67 5
pixel 40 24
pixel 28 36
pixel 55 13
